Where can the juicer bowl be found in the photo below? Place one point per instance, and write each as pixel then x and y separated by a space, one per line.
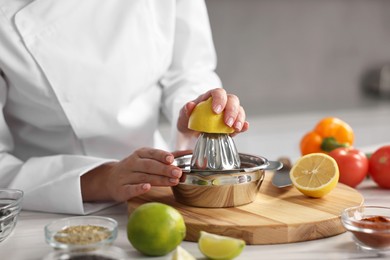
pixel 221 188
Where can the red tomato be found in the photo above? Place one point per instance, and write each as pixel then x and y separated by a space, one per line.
pixel 380 166
pixel 353 165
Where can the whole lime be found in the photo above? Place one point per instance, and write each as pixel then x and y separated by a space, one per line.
pixel 155 229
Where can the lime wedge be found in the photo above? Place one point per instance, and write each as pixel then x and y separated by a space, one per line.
pixel 220 247
pixel 182 254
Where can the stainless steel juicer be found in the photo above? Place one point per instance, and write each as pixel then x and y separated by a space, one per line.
pixel 216 175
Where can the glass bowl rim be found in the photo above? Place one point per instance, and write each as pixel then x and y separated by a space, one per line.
pixel 17 201
pixel 107 222
pixel 351 223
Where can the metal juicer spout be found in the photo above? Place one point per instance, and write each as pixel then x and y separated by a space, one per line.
pixel 215 152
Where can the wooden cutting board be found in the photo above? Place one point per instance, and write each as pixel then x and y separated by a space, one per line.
pixel 278 215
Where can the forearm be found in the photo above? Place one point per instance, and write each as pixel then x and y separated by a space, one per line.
pixel 94 184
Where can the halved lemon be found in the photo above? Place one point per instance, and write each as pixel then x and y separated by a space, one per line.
pixel 220 247
pixel 315 174
pixel 203 119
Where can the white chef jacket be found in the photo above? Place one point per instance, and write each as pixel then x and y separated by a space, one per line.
pixel 82 83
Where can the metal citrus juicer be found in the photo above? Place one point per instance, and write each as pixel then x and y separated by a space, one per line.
pixel 217 176
pixel 215 152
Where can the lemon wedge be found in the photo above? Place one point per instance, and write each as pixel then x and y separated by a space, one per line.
pixel 220 247
pixel 315 174
pixel 203 119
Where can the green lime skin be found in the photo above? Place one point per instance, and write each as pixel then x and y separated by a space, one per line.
pixel 155 229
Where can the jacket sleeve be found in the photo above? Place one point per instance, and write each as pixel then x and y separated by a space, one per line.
pixel 191 72
pixel 9 165
pixel 57 175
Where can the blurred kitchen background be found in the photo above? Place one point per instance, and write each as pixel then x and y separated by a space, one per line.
pixel 293 62
pixel 288 56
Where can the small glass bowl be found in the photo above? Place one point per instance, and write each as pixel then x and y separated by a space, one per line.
pixel 81 234
pixel 371 234
pixel 106 253
pixel 10 206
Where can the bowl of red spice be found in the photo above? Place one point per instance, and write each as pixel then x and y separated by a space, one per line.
pixel 82 233
pixel 370 226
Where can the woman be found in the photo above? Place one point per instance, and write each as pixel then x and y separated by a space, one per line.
pixel 81 89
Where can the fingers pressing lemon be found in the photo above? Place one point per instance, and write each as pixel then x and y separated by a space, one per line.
pixel 203 119
pixel 315 174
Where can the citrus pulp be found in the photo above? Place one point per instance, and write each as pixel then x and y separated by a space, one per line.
pixel 315 174
pixel 220 247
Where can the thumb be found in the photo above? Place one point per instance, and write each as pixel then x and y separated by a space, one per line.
pixel 189 107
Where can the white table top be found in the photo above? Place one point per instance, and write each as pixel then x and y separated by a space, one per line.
pixel 271 137
pixel 27 240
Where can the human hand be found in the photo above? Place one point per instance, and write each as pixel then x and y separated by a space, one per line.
pixel 130 177
pixel 234 113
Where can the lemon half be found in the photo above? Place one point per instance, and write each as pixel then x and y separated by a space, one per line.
pixel 203 119
pixel 220 247
pixel 315 174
